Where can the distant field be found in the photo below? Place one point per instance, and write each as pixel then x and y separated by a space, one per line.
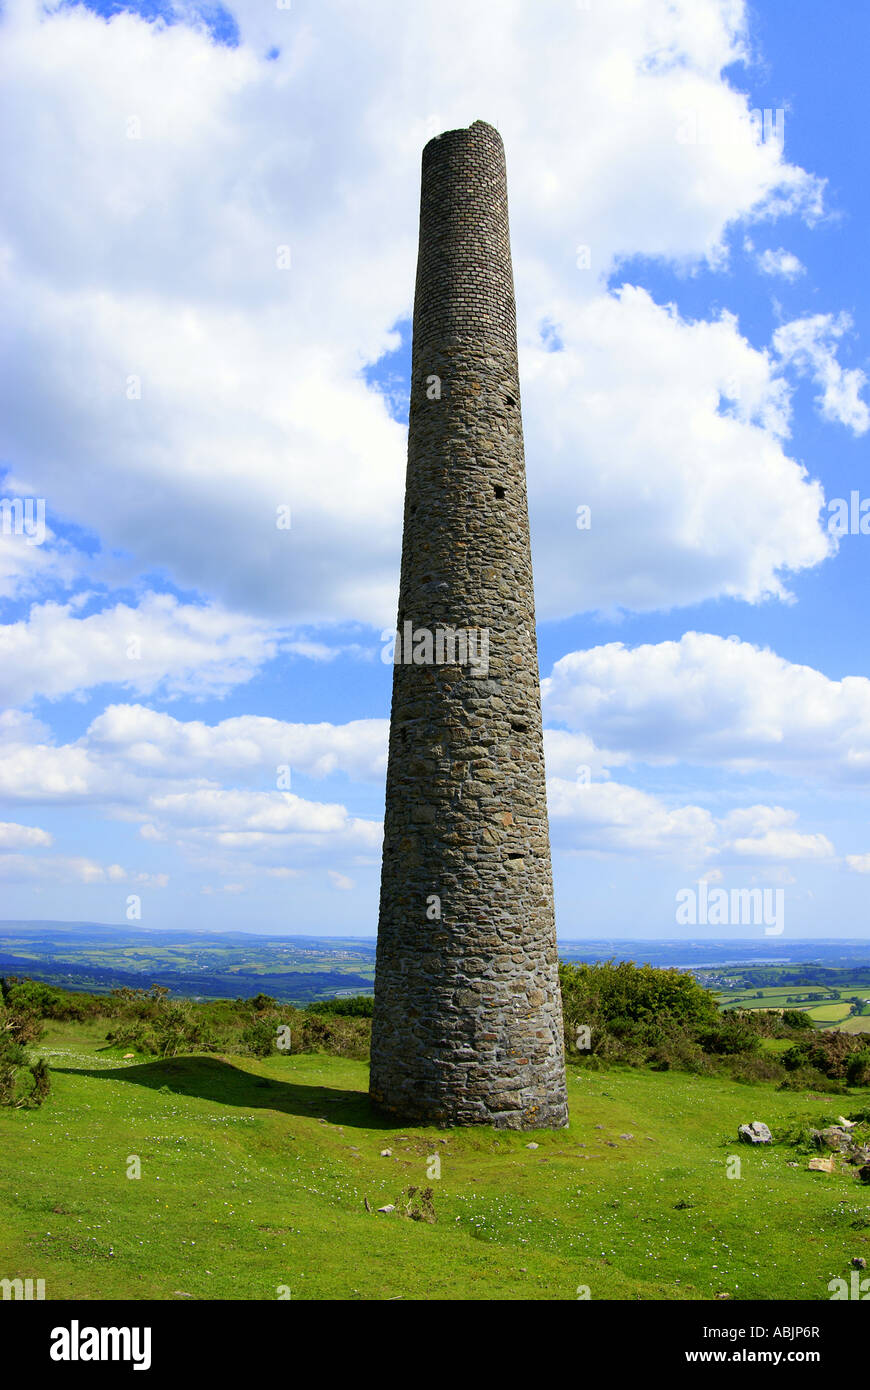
pixel 827 1007
pixel 830 1013
pixel 861 1024
pixel 205 967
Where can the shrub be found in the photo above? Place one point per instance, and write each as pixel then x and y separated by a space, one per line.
pixel 639 1006
pixel 343 1037
pixel 858 1068
pixel 682 1053
pixel 798 1019
pixel 261 1036
pixel 751 1069
pixel 356 1006
pixel 826 1051
pixel 261 1003
pixel 734 1034
pixel 16 1029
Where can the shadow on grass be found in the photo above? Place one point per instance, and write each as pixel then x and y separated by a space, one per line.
pixel 211 1078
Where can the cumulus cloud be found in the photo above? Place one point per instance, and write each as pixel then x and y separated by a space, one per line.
pixel 767 832
pixel 237 831
pixel 671 433
pixel 239 240
pixel 22 836
pixel 809 344
pixel 131 754
pixel 714 701
pixel 610 818
pixel 859 863
pixel 781 263
pixel 73 869
pixel 160 644
pixel 157 745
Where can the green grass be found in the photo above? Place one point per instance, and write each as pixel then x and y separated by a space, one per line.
pixel 858 1024
pixel 254 1175
pixel 830 1013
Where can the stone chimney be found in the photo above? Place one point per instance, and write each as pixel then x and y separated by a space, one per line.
pixel 467 1024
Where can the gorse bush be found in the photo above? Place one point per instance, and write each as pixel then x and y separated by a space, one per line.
pixel 641 1016
pixel 631 1009
pixel 356 1006
pixel 798 1019
pixel 22 1082
pixel 826 1052
pixel 622 992
pixel 151 1023
pixel 858 1068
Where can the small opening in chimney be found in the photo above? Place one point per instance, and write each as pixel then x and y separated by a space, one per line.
pixel 498 490
pixel 510 400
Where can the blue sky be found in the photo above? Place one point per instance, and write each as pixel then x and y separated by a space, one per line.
pixel 208 252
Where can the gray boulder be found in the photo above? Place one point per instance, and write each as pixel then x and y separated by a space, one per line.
pixel 831 1138
pixel 755 1133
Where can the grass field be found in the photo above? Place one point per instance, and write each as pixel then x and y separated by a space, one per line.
pixel 831 1009
pixel 829 1013
pixel 855 1025
pixel 254 1175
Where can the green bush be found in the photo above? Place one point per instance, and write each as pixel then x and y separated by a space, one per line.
pixel 858 1068
pixel 22 1083
pixel 827 1052
pixel 798 1019
pixel 733 1034
pixel 356 1006
pixel 631 1010
pixel 261 1036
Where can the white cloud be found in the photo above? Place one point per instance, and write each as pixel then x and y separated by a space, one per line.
pixel 611 818
pixel 809 345
pixel 671 432
pixel 157 745
pixel 859 863
pixel 160 644
pixel 261 827
pixel 146 767
pixel 607 817
pixel 43 772
pixel 73 869
pixel 714 701
pixel 575 755
pixel 340 881
pixel 782 263
pixel 251 393
pixel 766 832
pixel 22 836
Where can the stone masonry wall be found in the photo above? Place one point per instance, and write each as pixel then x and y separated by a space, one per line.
pixel 467 1024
